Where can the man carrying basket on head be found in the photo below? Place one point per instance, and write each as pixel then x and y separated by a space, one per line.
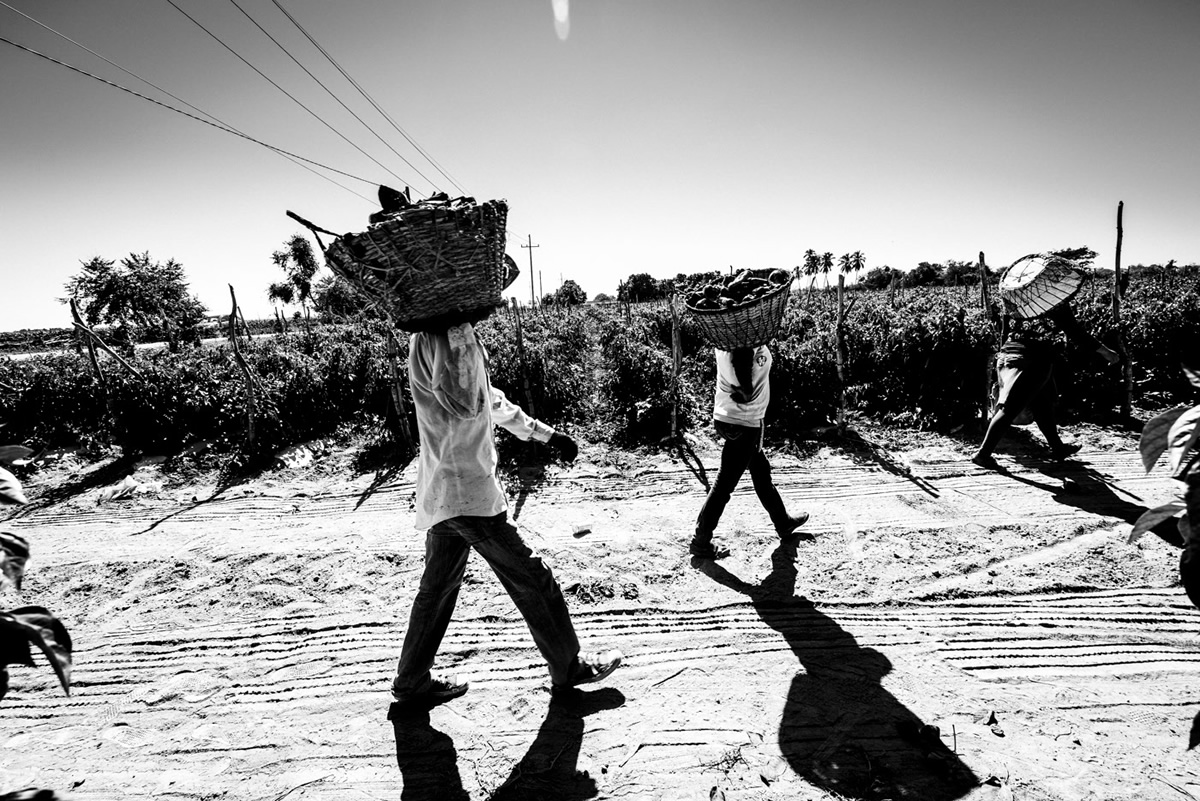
pixel 1036 291
pixel 461 504
pixel 742 394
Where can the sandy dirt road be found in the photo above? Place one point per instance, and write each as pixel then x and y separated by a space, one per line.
pixel 944 633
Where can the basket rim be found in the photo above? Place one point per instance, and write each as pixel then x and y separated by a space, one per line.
pixel 762 299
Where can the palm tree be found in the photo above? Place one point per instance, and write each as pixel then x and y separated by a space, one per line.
pixel 826 266
pixel 858 262
pixel 812 266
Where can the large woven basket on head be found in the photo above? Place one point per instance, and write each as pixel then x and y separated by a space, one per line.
pixel 1037 284
pixel 432 263
pixel 746 326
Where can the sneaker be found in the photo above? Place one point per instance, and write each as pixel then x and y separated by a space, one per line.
pixel 794 522
pixel 706 550
pixel 986 461
pixel 1065 451
pixel 438 691
pixel 591 667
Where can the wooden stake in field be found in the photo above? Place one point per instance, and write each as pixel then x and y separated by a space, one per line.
pixel 1126 367
pixel 989 375
pixel 676 365
pixel 252 385
pixel 841 354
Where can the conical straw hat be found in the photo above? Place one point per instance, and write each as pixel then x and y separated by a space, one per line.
pixel 1035 284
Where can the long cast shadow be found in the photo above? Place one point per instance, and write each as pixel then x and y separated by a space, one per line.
pixel 841 730
pixel 427 759
pixel 549 770
pixel 1094 492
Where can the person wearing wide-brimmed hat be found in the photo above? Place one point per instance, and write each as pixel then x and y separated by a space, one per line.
pixel 462 506
pixel 1026 361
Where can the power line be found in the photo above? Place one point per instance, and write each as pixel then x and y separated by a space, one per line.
pixel 331 94
pixel 315 116
pixel 219 122
pixel 371 100
pixel 184 113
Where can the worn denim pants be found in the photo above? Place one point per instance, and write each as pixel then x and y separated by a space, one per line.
pixel 527 579
pixel 742 450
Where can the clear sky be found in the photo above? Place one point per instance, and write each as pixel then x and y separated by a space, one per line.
pixel 658 136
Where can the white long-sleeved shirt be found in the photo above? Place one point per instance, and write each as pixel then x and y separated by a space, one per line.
pixel 456 407
pixel 752 412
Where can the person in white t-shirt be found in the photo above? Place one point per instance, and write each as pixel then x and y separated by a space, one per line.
pixel 462 506
pixel 742 395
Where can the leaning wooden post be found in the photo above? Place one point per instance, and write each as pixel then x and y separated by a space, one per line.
pixel 989 375
pixel 1122 351
pixel 676 365
pixel 398 393
pixel 247 375
pixel 521 356
pixel 841 355
pixel 91 349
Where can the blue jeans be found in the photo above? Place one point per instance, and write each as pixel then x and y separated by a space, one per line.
pixel 527 579
pixel 741 451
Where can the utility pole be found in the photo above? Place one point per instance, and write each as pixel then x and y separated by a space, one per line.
pixel 531 246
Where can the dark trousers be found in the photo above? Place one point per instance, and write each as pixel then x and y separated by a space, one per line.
pixel 742 450
pixel 527 579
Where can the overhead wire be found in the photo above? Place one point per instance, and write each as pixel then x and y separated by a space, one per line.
pixel 168 106
pixel 218 121
pixel 334 96
pixel 370 99
pixel 286 92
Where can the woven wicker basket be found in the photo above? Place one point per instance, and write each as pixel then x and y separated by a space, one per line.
pixel 744 326
pixel 1036 284
pixel 428 265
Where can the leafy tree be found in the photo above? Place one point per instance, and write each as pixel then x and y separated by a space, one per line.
pixel 879 277
pixel 857 262
pixel 812 266
pixel 569 294
pixel 143 298
pixel 1083 256
pixel 299 265
pixel 960 272
pixel 334 299
pixel 641 287
pixel 924 274
pixel 603 298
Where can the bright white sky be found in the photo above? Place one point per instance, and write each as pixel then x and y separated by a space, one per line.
pixel 658 136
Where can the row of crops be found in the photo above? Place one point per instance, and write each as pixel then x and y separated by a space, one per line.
pixel 918 359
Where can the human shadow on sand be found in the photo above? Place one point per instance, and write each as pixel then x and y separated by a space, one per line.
pixel 550 768
pixel 1089 490
pixel 841 730
pixel 427 759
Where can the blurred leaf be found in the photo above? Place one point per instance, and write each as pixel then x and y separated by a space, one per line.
pixel 11 453
pixel 14 552
pixel 1153 517
pixel 11 493
pixel 1181 439
pixel 1193 374
pixel 35 624
pixel 1154 436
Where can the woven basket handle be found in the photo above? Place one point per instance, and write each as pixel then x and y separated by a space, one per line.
pixel 316 229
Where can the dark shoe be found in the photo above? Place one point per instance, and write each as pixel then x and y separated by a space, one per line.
pixel 1065 452
pixel 794 522
pixel 591 667
pixel 706 550
pixel 438 691
pixel 986 461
